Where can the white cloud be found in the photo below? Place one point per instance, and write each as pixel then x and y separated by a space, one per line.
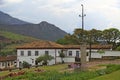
pixel 108 8
pixel 13 1
pixel 64 13
pixel 1 2
pixel 58 7
pixel 7 3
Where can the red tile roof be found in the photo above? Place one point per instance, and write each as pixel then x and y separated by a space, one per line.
pixel 53 45
pixel 41 45
pixel 88 47
pixel 7 58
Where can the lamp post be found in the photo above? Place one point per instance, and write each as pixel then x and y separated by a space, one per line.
pixel 83 44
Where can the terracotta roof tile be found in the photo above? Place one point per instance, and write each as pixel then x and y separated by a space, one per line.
pixel 93 46
pixel 53 45
pixel 40 45
pixel 7 58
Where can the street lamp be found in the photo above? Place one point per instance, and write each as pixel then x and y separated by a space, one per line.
pixel 83 44
pixel 83 15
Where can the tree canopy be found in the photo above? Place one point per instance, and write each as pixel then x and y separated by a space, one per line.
pixel 44 59
pixel 94 36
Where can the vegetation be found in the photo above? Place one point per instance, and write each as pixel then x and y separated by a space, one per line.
pixel 26 64
pixel 10 40
pixel 56 72
pixel 113 76
pixel 118 48
pixel 107 36
pixel 62 55
pixel 44 59
pixel 101 51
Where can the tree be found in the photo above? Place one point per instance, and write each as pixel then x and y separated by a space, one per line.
pixel 44 59
pixel 111 35
pixel 95 36
pixel 80 35
pixel 26 64
pixel 61 55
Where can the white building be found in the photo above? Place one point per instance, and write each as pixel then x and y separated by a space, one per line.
pixel 29 52
pixel 7 62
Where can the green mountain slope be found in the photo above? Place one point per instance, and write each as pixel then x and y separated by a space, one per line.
pixel 9 41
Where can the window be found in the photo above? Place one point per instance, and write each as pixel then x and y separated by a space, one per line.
pixel 46 52
pixel 3 64
pixel 87 54
pixel 22 53
pixel 70 53
pixel 29 53
pixel 77 53
pixel 36 53
pixel 8 63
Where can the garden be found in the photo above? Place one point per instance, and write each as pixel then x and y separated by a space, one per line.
pixel 62 72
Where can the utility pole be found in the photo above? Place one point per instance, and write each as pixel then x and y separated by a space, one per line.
pixel 83 44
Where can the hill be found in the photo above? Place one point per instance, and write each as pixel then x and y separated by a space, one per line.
pixel 9 41
pixel 9 20
pixel 43 30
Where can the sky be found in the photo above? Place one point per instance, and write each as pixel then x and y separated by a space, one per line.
pixel 100 14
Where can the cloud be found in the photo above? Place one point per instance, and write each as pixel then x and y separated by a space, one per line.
pixel 58 7
pixel 13 1
pixel 64 13
pixel 1 2
pixel 7 3
pixel 108 9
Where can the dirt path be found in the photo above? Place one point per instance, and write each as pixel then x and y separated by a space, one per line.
pixel 100 62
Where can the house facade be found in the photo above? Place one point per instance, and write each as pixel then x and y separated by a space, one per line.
pixel 108 54
pixel 29 52
pixel 7 62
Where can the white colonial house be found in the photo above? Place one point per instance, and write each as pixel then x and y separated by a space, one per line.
pixel 30 51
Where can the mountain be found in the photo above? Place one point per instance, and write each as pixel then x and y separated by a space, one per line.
pixel 7 19
pixel 43 30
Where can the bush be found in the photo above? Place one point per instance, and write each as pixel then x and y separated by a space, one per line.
pixel 101 51
pixel 118 48
pixel 26 64
pixel 112 68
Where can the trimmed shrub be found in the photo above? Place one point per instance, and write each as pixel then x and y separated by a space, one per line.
pixel 26 64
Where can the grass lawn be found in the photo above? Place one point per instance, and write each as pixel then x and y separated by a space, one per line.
pixel 112 76
pixel 46 68
pixel 4 73
pixel 61 72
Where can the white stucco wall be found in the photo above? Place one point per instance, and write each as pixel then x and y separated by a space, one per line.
pixel 42 52
pixel 68 58
pixel 107 53
pixel 112 53
pixel 29 58
pixel 52 52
